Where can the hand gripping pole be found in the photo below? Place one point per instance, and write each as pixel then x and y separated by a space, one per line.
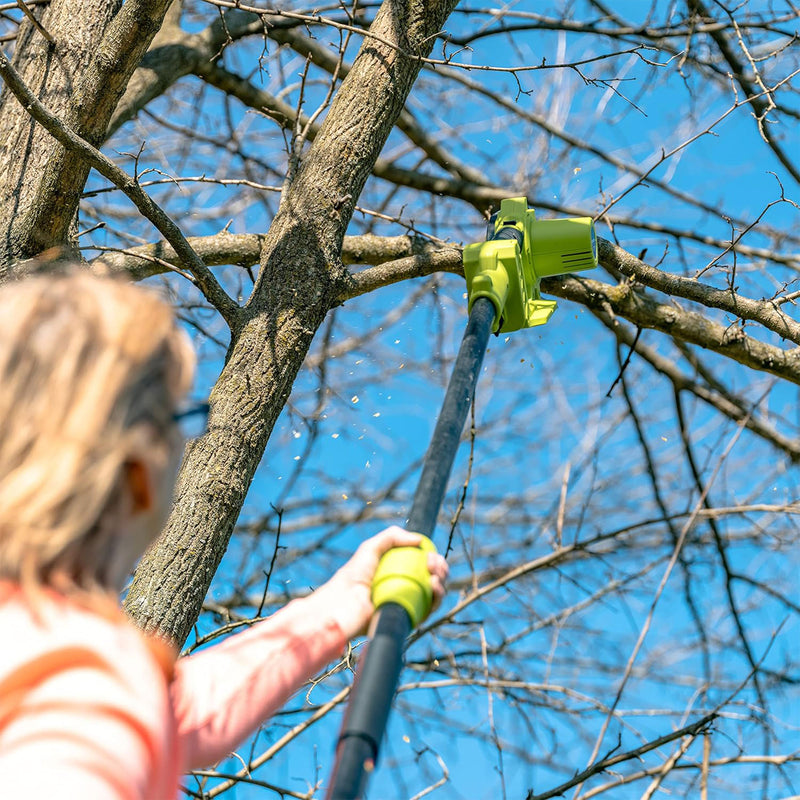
pixel 503 275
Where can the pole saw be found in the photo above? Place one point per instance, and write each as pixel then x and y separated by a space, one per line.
pixel 503 275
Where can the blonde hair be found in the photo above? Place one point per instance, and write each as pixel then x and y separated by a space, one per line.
pixel 91 370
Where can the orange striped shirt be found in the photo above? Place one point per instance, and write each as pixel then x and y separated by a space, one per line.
pixel 91 708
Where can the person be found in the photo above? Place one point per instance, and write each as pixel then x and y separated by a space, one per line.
pixel 92 371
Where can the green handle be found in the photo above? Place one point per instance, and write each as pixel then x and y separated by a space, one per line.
pixel 402 577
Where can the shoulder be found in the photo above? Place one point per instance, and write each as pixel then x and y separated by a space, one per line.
pixel 84 686
pixel 52 623
pixel 61 647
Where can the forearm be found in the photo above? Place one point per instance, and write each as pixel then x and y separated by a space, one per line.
pixel 222 694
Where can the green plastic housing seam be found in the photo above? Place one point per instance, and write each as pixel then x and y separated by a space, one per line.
pixel 493 270
pixel 402 577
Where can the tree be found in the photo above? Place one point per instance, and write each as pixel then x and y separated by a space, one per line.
pixel 624 596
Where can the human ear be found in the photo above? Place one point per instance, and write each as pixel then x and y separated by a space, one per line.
pixel 138 480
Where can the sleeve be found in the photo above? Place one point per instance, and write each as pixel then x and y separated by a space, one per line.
pixel 222 694
pixel 79 732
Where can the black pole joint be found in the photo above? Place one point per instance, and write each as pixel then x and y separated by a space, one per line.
pixel 370 703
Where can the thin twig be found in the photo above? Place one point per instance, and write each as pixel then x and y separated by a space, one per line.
pixel 203 277
pixel 35 22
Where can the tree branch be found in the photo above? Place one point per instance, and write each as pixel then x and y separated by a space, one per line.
pixel 402 269
pixel 244 250
pixel 694 729
pixel 204 279
pixel 760 99
pixel 175 54
pixel 324 58
pixel 764 312
pixel 48 217
pixel 689 326
pixel 726 403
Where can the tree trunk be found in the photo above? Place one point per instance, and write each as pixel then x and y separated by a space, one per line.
pixel 80 76
pixel 300 278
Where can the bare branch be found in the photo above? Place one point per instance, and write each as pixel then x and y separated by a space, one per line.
pixel 765 312
pixel 127 184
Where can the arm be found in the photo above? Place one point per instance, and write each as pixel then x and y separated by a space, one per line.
pixel 222 694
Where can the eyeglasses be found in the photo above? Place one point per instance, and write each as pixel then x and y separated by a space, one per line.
pixel 199 411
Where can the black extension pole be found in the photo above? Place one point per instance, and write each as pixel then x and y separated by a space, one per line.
pixel 380 666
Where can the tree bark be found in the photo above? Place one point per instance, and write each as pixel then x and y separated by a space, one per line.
pixel 300 279
pixel 81 76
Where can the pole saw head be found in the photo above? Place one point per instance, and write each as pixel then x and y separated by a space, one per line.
pixel 521 250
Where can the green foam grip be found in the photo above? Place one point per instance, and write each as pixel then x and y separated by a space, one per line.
pixel 402 577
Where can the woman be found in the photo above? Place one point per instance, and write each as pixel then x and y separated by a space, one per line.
pixel 91 374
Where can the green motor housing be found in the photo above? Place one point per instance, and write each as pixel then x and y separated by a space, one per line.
pixel 521 250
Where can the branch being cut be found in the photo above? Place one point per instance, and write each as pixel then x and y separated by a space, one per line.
pixel 622 301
